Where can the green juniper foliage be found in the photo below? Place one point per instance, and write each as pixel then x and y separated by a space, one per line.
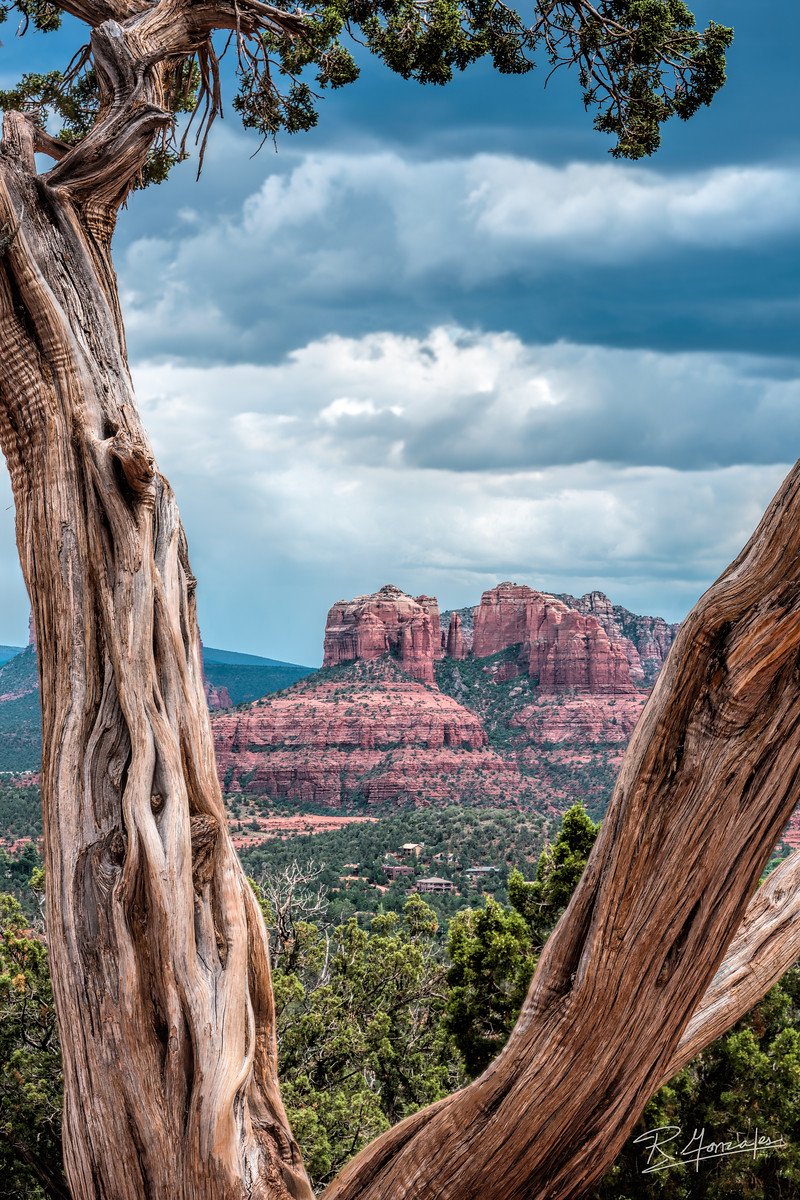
pixel 493 949
pixel 454 839
pixel 377 1021
pixel 491 965
pixel 360 1042
pixel 748 1079
pixel 542 901
pixel 639 62
pixel 30 1064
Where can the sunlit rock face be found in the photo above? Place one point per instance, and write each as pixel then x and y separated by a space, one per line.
pixel 560 648
pixel 388 622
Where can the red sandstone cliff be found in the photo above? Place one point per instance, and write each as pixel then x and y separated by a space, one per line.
pixel 431 606
pixel 560 648
pixel 217 698
pixel 369 734
pixel 456 646
pixel 647 639
pixel 572 747
pixel 388 622
pixel 652 637
pixel 537 697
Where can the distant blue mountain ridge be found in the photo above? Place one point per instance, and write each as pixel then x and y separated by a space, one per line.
pixel 9 652
pixel 232 657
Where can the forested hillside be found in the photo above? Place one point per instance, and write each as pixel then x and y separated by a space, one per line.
pixel 473 849
pixel 383 1011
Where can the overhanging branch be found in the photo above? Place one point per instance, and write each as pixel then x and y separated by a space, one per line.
pixel 103 166
pixel 131 60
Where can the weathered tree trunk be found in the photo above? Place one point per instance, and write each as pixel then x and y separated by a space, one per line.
pixel 707 785
pixel 157 948
pixel 766 945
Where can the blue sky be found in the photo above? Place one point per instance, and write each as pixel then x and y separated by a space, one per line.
pixel 444 340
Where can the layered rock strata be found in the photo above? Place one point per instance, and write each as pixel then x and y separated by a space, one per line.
pixel 539 695
pixel 648 639
pixel 560 648
pixel 369 735
pixel 386 623
pixel 571 747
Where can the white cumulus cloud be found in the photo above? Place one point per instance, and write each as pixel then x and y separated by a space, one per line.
pixel 348 464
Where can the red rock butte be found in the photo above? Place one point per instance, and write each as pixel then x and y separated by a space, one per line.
pixel 527 698
pixel 388 622
pixel 370 731
pixel 560 648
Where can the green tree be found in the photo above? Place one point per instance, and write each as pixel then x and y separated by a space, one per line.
pixel 492 961
pixel 358 1017
pixel 493 950
pixel 365 1024
pixel 748 1079
pixel 542 901
pixel 30 1064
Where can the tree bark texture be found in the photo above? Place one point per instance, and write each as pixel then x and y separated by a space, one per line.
pixel 632 982
pixel 157 947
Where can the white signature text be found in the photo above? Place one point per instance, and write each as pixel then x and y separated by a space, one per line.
pixel 667 1148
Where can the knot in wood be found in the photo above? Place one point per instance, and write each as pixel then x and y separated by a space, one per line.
pixel 205 835
pixel 135 462
pixel 116 847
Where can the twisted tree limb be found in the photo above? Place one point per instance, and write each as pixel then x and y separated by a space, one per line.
pixel 708 783
pixel 158 953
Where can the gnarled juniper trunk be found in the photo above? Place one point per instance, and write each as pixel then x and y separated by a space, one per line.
pixel 158 951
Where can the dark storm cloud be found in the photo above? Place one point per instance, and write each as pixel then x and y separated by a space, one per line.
pixel 593 252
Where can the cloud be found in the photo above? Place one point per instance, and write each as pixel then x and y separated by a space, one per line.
pixel 344 467
pixel 467 401
pixel 378 239
pixel 601 212
pixel 449 461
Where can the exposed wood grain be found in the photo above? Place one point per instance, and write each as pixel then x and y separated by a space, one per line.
pixel 158 952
